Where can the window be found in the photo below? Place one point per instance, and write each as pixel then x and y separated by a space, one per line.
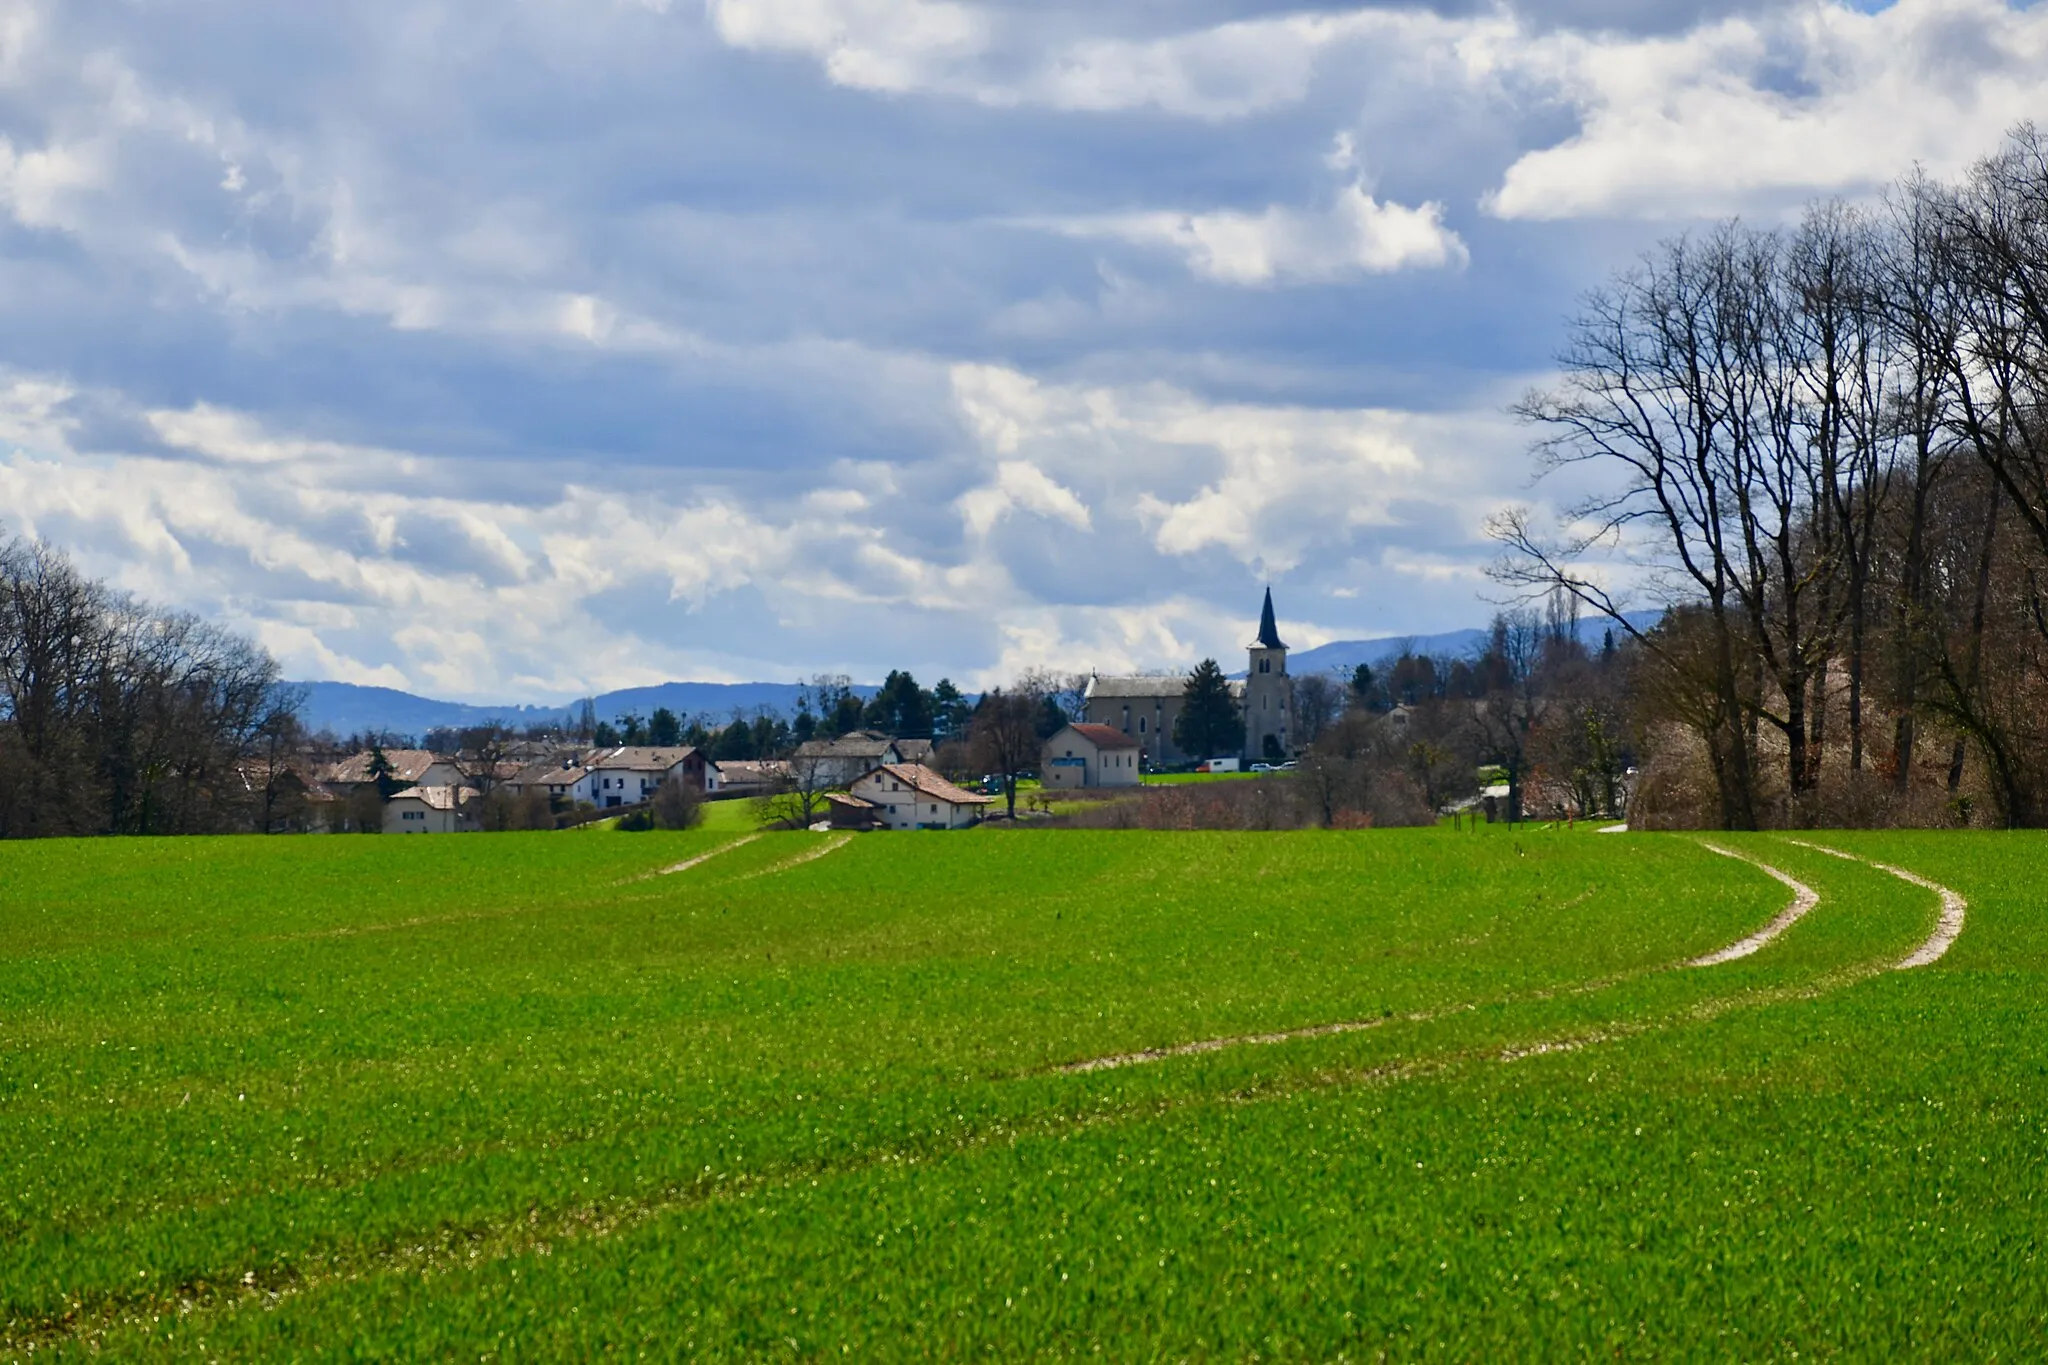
pixel 1265 665
pixel 1141 725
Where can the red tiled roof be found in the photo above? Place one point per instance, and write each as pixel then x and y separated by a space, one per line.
pixel 925 782
pixel 1105 736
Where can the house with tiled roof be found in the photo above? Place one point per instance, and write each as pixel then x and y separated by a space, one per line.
pixel 431 810
pixel 630 774
pixel 1088 755
pixel 911 796
pixel 409 768
pixel 556 778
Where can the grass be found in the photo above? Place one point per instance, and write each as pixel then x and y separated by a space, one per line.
pixel 1183 779
pixel 513 1094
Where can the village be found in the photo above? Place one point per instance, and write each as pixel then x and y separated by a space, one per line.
pixel 1098 734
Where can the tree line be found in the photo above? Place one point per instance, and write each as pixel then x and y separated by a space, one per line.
pixel 1826 450
pixel 117 717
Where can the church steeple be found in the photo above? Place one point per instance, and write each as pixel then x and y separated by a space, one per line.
pixel 1269 633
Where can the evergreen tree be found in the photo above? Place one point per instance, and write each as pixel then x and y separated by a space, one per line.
pixel 664 731
pixel 382 774
pixel 950 711
pixel 901 708
pixel 1209 724
pixel 1361 685
pixel 734 742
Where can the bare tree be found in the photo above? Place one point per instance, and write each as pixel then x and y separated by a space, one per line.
pixel 1319 698
pixel 1004 738
pixel 797 799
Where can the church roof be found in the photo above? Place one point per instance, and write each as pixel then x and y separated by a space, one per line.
pixel 1147 685
pixel 1269 633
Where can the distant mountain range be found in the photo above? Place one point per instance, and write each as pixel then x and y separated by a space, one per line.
pixel 347 708
pixel 1344 656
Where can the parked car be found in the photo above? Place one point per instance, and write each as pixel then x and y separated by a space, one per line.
pixel 1261 767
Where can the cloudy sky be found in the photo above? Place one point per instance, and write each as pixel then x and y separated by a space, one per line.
pixel 513 349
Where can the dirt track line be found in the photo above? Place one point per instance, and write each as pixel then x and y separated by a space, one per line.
pixel 831 845
pixel 1947 929
pixel 1160 1054
pixel 686 864
pixel 1804 898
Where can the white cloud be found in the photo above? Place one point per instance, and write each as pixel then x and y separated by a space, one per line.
pixel 1765 111
pixel 1272 487
pixel 866 44
pixel 1021 486
pixel 1356 235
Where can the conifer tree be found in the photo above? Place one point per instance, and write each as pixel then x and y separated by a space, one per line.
pixel 1209 725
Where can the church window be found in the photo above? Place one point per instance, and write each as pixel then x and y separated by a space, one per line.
pixel 1141 725
pixel 1265 665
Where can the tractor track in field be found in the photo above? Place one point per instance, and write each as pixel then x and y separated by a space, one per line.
pixel 1947 929
pixel 833 843
pixel 1804 898
pixel 686 864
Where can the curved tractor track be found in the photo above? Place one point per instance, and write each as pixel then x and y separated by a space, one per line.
pixel 1805 899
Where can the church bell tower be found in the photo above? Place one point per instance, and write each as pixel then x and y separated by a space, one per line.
pixel 1268 695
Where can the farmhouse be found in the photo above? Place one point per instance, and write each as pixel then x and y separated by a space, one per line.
pixel 1085 755
pixel 431 810
pixel 909 796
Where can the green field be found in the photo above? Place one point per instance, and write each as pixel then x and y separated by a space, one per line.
pixel 818 1096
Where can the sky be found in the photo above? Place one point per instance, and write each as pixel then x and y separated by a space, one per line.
pixel 512 350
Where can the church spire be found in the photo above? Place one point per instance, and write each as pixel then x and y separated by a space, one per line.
pixel 1269 633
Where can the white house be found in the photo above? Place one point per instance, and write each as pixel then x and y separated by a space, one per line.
pixel 907 796
pixel 572 782
pixel 430 810
pixel 1085 755
pixel 628 776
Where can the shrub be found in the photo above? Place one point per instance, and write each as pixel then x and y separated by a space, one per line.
pixel 678 805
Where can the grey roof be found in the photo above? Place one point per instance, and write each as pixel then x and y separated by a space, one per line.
pixel 856 745
pixel 1144 685
pixel 638 758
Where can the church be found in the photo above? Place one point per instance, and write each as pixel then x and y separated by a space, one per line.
pixel 1145 706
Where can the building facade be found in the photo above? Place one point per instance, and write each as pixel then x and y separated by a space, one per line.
pixel 1144 707
pixel 1085 756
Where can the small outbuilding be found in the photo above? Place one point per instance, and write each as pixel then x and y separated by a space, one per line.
pixel 1089 755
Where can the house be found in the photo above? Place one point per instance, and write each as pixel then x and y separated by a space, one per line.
pixel 431 810
pixel 840 762
pixel 1085 755
pixel 918 751
pixel 555 779
pixel 629 775
pixel 908 796
pixel 409 768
